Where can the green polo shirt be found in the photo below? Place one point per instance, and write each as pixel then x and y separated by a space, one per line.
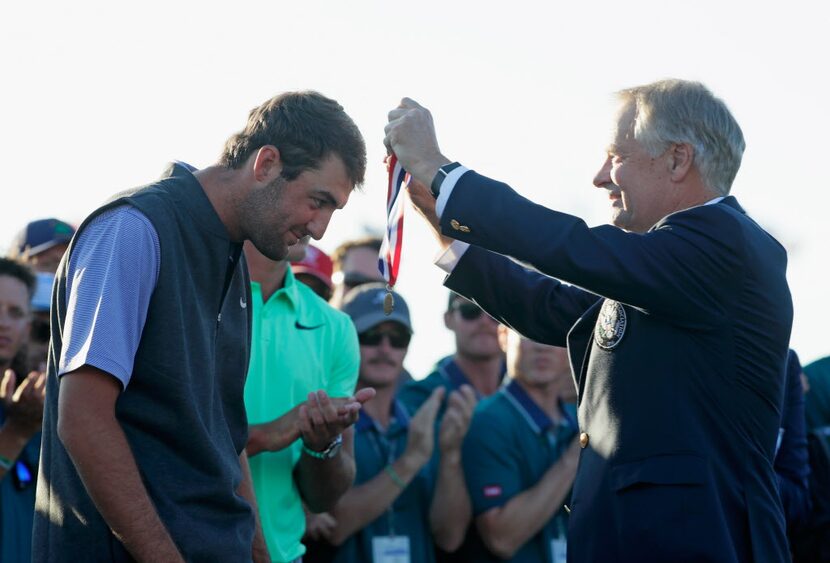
pixel 299 344
pixel 509 446
pixel 408 516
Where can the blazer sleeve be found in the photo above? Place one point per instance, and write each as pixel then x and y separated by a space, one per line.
pixel 686 269
pixel 534 305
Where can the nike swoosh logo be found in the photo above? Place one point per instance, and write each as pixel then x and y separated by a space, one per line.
pixel 304 327
pixel 243 303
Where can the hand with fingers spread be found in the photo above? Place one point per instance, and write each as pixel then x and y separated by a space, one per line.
pixel 456 421
pixel 410 134
pixel 322 418
pixel 24 405
pixel 421 439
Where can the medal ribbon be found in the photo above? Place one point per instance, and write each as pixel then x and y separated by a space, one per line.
pixel 389 259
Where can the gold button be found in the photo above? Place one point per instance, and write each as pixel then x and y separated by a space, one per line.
pixel 583 440
pixel 455 225
pixel 464 228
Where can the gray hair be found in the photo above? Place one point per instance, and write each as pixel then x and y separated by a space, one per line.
pixel 680 111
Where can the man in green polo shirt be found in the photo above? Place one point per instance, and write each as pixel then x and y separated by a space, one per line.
pixel 520 457
pixel 299 399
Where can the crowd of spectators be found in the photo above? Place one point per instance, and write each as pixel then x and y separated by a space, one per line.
pixel 471 462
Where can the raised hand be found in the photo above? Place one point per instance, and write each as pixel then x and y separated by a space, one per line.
pixel 322 418
pixel 410 134
pixel 460 406
pixel 23 406
pixel 421 437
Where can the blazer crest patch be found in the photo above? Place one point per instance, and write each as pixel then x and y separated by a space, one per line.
pixel 611 324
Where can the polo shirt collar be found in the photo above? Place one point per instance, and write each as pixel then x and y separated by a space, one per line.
pixel 399 419
pixel 288 289
pixel 536 418
pixel 451 372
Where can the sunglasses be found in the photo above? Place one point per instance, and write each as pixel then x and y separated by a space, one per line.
pixel 397 338
pixel 468 311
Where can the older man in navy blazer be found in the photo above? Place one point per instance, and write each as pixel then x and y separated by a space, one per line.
pixel 677 319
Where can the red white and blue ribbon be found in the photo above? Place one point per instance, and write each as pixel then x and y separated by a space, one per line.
pixel 389 259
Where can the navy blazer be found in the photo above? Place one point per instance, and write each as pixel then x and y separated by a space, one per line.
pixel 677 339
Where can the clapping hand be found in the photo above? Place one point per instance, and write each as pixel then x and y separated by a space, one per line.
pixel 24 405
pixel 322 418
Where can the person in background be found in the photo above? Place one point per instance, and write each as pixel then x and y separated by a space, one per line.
pixel 21 411
pixel 355 263
pixel 315 269
pixel 478 366
pixel 520 457
pixel 42 243
pixel 400 503
pixel 304 366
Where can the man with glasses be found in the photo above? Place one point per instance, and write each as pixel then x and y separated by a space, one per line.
pixel 21 412
pixel 400 500
pixel 473 372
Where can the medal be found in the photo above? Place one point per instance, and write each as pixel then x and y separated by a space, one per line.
pixel 388 302
pixel 389 258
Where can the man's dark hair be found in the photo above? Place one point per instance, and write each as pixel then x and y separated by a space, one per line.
pixel 339 254
pixel 306 127
pixel 20 271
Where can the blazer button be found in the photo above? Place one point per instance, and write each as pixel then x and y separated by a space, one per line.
pixel 459 227
pixel 583 440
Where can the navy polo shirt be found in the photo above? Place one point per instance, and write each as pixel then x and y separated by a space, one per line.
pixel 409 514
pixel 510 445
pixel 446 374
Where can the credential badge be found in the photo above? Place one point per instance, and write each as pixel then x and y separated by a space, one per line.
pixel 611 325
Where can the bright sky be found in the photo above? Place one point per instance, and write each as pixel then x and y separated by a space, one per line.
pixel 98 96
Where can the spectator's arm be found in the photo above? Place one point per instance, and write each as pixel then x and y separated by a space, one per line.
pixel 259 552
pixel 323 481
pixel 95 442
pixel 505 529
pixel 364 503
pixel 450 512
pixel 23 407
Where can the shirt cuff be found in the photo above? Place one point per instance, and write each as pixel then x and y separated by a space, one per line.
pixel 447 186
pixel 448 259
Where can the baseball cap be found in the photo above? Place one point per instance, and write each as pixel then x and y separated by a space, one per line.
pixel 42 235
pixel 315 263
pixel 364 304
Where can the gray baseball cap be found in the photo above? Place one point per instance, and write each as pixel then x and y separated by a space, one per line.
pixel 364 304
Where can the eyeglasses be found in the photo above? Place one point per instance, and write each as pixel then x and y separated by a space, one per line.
pixel 397 338
pixel 468 311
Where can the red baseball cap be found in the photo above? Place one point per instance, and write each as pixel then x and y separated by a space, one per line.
pixel 316 263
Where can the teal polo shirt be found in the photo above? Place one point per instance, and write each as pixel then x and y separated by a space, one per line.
pixel 408 516
pixel 509 446
pixel 299 344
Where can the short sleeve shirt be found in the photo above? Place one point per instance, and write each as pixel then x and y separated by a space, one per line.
pixel 408 515
pixel 511 443
pixel 113 270
pixel 299 344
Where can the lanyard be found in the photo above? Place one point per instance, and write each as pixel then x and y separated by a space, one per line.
pixel 386 452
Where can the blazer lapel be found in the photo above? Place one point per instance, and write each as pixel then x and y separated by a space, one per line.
pixel 580 338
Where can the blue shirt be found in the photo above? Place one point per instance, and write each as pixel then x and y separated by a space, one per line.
pixel 409 513
pixel 511 443
pixel 17 503
pixel 113 270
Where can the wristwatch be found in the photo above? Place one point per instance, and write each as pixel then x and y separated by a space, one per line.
pixel 442 173
pixel 331 450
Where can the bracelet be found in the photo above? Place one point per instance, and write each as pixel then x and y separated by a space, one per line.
pixel 6 463
pixel 394 476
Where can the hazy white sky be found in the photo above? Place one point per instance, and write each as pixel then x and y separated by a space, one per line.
pixel 98 96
